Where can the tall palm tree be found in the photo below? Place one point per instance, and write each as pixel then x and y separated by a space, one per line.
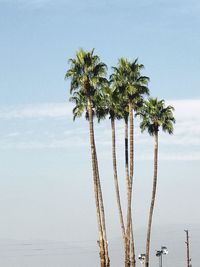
pixel 154 116
pixel 133 87
pixel 108 103
pixel 87 74
pixel 79 99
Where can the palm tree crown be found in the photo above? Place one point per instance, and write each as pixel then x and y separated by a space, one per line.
pixel 154 115
pixel 108 102
pixel 87 73
pixel 131 84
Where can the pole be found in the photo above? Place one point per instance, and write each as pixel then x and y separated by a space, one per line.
pixel 160 258
pixel 188 248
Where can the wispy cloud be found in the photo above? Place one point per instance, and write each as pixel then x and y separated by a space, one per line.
pixel 186 108
pixel 170 8
pixel 24 129
pixel 51 110
pixel 43 3
pixel 30 3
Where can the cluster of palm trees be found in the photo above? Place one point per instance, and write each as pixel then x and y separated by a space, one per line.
pixel 122 96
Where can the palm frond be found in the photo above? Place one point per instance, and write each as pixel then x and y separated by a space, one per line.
pixel 154 115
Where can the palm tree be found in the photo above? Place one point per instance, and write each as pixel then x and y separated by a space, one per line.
pixel 79 99
pixel 108 103
pixel 154 116
pixel 133 86
pixel 87 74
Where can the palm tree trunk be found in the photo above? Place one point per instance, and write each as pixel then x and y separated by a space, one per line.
pixel 127 184
pixel 116 179
pixel 152 200
pixel 105 242
pixel 129 205
pixel 95 180
pixel 126 155
pixel 132 247
pixel 131 143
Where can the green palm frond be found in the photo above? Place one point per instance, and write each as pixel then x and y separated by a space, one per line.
pixel 87 75
pixel 80 104
pixel 154 115
pixel 132 86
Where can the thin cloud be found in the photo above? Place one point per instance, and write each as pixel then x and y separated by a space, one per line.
pixel 45 110
pixel 24 129
pixel 43 3
pixel 185 109
pixel 31 3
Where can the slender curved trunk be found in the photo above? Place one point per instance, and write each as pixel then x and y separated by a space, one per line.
pixel 131 143
pixel 126 155
pixel 127 184
pixel 148 240
pixel 116 179
pixel 129 240
pixel 132 247
pixel 95 180
pixel 105 242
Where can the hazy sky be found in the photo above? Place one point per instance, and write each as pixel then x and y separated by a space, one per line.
pixel 45 173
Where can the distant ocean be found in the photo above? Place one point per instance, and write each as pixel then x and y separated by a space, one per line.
pixel 34 253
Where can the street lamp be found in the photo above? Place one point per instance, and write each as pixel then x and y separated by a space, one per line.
pixel 141 258
pixel 159 253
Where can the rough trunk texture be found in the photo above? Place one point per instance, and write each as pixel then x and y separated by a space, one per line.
pixel 126 155
pixel 131 143
pixel 129 205
pixel 116 179
pixel 95 180
pixel 105 242
pixel 148 240
pixel 127 184
pixel 132 247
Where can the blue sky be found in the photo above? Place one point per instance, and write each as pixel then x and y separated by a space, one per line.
pixel 37 38
pixel 45 156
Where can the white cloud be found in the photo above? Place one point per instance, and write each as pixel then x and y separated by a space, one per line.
pixel 186 109
pixel 23 129
pixel 45 110
pixel 33 3
pixel 13 134
pixel 183 145
pixel 43 3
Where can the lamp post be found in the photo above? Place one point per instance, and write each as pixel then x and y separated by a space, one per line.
pixel 141 258
pixel 189 264
pixel 159 253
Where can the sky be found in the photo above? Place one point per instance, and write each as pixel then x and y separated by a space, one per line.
pixel 46 188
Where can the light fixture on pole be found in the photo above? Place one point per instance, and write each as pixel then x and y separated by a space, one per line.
pixel 159 253
pixel 141 258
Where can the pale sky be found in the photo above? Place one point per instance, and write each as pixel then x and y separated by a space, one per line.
pixel 46 181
